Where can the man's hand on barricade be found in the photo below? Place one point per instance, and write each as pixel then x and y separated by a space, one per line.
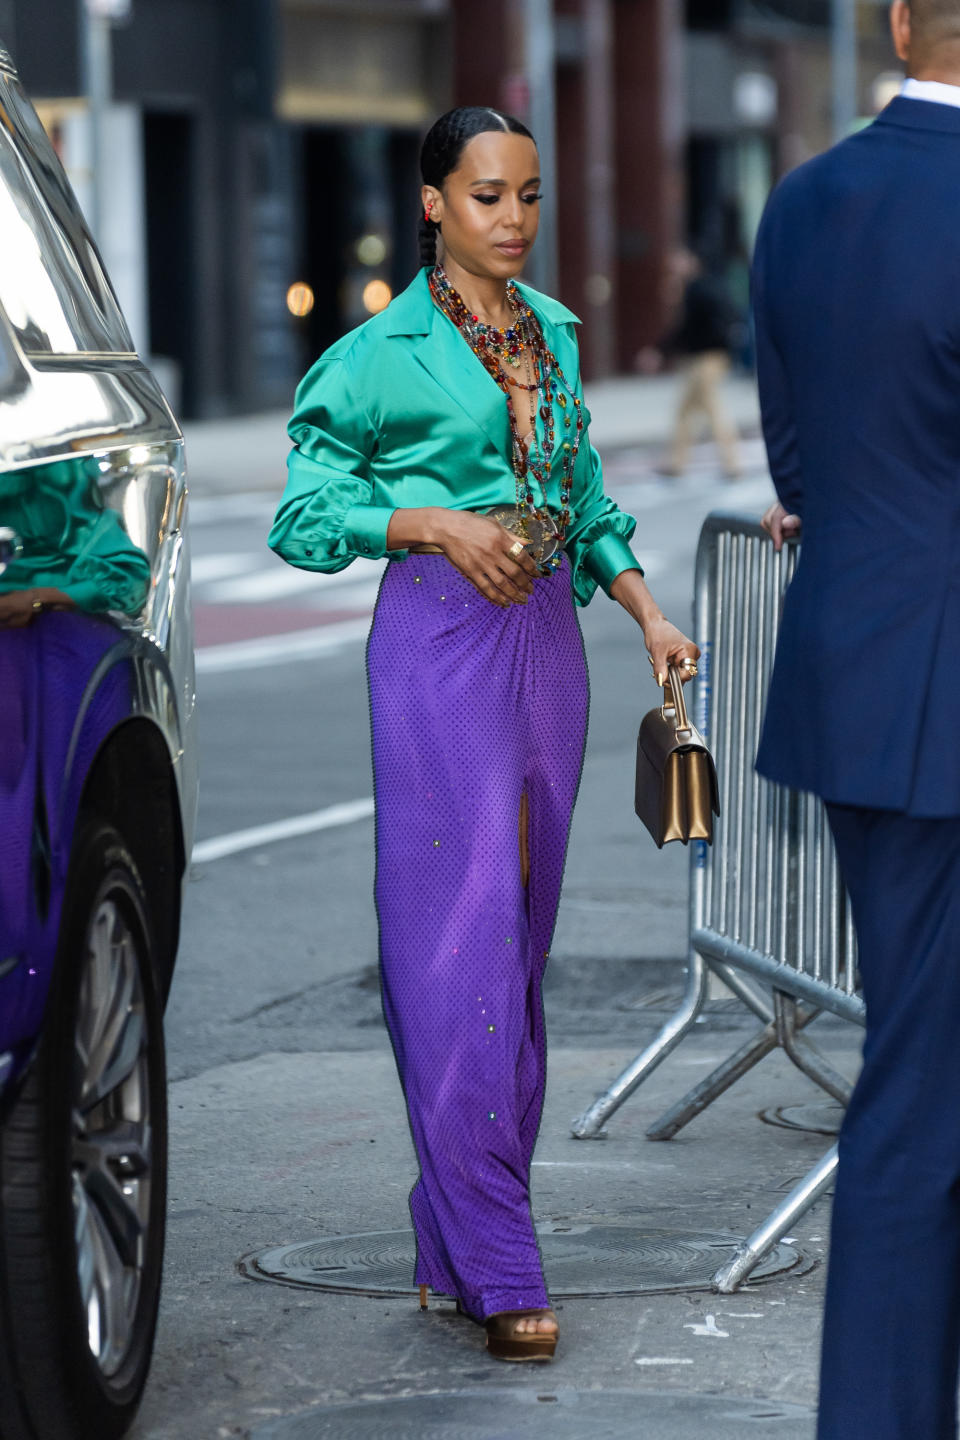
pixel 780 525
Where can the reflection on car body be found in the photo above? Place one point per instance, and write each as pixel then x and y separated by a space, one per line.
pixel 97 805
pixel 72 549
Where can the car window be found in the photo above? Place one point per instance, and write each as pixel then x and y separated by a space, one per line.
pixel 52 284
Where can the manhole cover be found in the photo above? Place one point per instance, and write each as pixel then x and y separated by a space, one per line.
pixel 561 1414
pixel 823 1119
pixel 579 1259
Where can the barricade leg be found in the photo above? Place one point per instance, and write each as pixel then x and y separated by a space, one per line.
pixel 814 1184
pixel 588 1126
pixel 804 1053
pixel 709 1089
pixel 744 989
pixel 720 1080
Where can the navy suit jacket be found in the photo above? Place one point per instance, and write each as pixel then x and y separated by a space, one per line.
pixel 857 298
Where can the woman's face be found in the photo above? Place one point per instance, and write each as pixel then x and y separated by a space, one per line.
pixel 489 206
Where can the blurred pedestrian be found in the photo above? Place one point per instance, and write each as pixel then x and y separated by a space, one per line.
pixel 703 338
pixel 857 302
pixel 734 272
pixel 449 434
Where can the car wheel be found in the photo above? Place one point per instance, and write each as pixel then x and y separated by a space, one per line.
pixel 83 1155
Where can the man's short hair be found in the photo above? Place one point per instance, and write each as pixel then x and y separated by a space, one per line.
pixel 934 21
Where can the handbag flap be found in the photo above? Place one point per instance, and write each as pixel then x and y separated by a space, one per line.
pixel 659 738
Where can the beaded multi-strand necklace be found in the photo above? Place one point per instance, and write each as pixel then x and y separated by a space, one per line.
pixel 550 393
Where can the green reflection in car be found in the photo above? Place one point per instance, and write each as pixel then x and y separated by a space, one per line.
pixel 73 550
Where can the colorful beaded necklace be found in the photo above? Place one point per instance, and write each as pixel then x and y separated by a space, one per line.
pixel 491 345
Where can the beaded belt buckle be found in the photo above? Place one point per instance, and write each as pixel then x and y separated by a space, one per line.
pixel 544 541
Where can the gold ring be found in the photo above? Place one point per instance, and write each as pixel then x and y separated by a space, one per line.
pixel 38 605
pixel 517 548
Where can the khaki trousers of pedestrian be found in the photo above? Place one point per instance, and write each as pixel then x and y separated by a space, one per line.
pixel 703 375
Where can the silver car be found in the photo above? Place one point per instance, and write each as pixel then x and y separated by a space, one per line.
pixel 97 802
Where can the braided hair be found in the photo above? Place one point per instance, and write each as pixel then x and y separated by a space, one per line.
pixel 442 151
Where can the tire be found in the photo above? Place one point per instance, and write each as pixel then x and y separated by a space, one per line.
pixel 83 1161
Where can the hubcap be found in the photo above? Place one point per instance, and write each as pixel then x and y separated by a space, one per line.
pixel 112 1142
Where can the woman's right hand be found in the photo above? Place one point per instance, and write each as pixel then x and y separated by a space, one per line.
pixel 481 549
pixel 19 608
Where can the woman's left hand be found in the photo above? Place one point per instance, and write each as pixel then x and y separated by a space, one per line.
pixel 669 646
pixel 666 644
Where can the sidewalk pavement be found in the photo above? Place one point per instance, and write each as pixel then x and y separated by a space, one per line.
pixel 315 1145
pixel 626 412
pixel 299 1134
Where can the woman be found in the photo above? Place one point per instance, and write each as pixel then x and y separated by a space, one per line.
pixel 461 398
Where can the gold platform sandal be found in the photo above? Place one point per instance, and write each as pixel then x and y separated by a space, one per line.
pixel 505 1343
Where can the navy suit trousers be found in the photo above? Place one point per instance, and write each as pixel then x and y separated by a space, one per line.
pixel 891 1339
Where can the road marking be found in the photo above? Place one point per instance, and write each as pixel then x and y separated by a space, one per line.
pixel 221 845
pixel 708 1327
pixel 661 1360
pixel 215 509
pixel 257 586
pixel 281 649
pixel 604 1164
pixel 276 584
pixel 205 568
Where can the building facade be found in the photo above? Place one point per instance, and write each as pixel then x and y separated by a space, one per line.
pixel 759 100
pixel 258 168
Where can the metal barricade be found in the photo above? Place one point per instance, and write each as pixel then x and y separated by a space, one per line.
pixel 768 912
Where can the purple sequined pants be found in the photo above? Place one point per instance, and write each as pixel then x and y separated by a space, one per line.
pixel 473 706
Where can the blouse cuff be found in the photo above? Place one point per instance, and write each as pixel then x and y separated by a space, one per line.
pixel 607 558
pixel 86 595
pixel 365 529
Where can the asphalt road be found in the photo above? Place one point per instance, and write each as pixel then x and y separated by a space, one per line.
pixel 281 1074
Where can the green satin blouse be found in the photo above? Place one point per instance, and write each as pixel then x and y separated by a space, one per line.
pixel 401 413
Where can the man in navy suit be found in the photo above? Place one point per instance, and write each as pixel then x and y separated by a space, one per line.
pixel 857 296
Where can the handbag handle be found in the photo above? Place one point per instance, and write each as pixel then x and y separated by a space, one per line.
pixel 673 699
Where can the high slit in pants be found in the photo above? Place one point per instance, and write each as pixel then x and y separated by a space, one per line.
pixel 473 707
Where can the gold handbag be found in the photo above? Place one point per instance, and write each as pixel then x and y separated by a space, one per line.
pixel 677 794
